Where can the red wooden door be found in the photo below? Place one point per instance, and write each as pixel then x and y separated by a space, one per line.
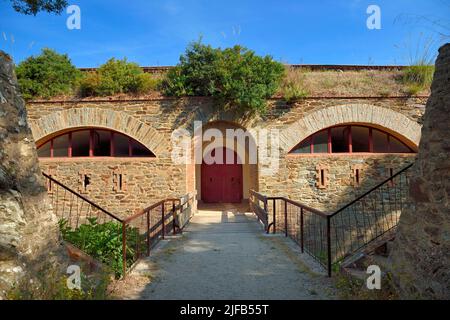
pixel 222 183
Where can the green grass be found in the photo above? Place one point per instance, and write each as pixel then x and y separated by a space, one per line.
pixel 418 78
pixel 49 283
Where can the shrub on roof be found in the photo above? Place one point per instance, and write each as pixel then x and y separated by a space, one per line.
pixel 418 77
pixel 117 76
pixel 47 75
pixel 236 77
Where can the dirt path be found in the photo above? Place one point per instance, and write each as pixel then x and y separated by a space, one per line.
pixel 225 255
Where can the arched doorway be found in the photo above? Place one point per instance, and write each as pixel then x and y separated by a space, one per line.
pixel 222 181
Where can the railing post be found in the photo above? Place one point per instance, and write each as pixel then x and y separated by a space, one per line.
pixel 274 216
pixel 148 233
pixel 285 219
pixel 124 249
pixel 329 246
pixel 174 214
pixel 267 218
pixel 302 229
pixel 163 228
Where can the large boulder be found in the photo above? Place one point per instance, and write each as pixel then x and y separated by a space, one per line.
pixel 421 253
pixel 29 236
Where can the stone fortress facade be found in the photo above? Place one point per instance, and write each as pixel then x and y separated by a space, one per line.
pixel 356 142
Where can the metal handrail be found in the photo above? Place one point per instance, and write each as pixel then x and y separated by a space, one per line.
pixel 323 227
pixel 80 206
pixel 82 197
pixel 260 212
pixel 372 189
pixel 301 205
pixel 177 206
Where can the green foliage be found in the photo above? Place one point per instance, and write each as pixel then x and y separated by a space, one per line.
pixel 29 7
pixel 89 84
pixel 351 288
pixel 47 75
pixel 51 284
pixel 104 242
pixel 236 76
pixel 117 76
pixel 293 86
pixel 418 77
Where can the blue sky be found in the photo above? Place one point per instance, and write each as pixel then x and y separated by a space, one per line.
pixel 156 32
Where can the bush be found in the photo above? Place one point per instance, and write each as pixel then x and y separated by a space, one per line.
pixel 89 84
pixel 293 86
pixel 47 75
pixel 117 76
pixel 103 242
pixel 236 76
pixel 418 77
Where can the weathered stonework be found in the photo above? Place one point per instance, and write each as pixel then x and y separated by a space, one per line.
pixel 298 177
pixel 146 181
pixel 385 118
pixel 29 234
pixel 421 253
pixel 153 121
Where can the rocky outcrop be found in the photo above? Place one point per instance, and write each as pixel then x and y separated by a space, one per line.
pixel 421 254
pixel 29 236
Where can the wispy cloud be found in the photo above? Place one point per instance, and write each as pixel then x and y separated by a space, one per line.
pixel 172 8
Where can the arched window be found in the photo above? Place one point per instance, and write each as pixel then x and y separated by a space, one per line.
pixel 351 139
pixel 92 143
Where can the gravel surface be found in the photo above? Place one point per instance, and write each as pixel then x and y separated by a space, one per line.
pixel 225 255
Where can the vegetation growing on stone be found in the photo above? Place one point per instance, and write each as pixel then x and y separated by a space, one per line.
pixel 294 85
pixel 236 76
pixel 47 75
pixel 418 77
pixel 117 76
pixel 50 283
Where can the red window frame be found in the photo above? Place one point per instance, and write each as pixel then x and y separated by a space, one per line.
pixel 91 144
pixel 310 140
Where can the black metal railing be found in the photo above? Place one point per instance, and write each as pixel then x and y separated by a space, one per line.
pixel 258 204
pixel 135 235
pixel 331 237
pixel 165 217
pixel 369 216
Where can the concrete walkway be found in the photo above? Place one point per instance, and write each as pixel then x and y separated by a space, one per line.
pixel 226 255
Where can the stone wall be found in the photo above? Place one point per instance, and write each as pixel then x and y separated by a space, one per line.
pixel 152 122
pixel 29 236
pixel 421 253
pixel 298 178
pixel 144 182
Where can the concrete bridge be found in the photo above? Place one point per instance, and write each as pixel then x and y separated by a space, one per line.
pixel 225 254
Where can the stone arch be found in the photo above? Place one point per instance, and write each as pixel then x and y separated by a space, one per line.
pixel 250 169
pixel 386 119
pixel 66 119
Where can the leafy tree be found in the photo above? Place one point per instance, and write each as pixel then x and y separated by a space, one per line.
pixel 236 76
pixel 47 75
pixel 117 76
pixel 32 7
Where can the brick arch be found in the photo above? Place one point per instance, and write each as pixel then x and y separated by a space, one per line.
pixel 59 121
pixel 386 119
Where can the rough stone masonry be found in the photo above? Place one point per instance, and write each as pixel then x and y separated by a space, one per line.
pixel 421 253
pixel 29 234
